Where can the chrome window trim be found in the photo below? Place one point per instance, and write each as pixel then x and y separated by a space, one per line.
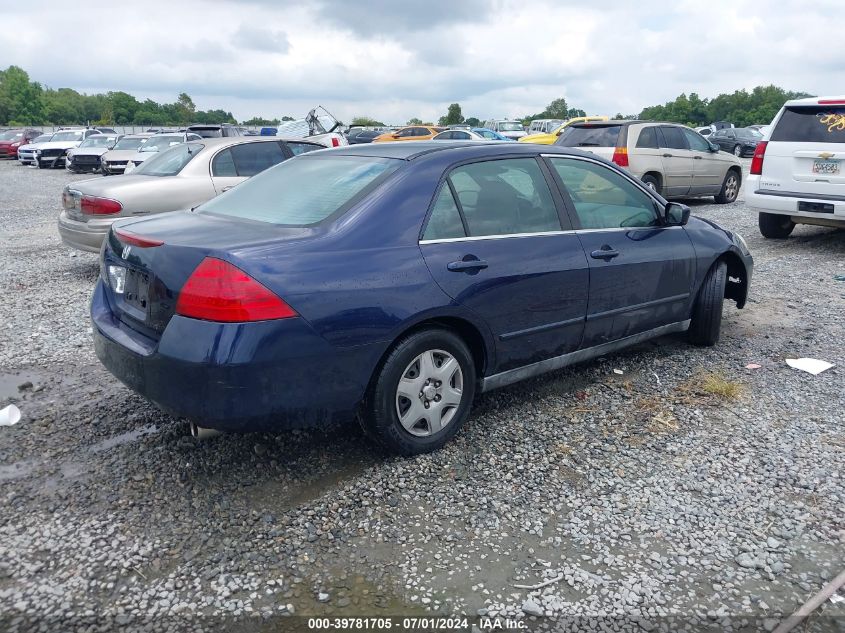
pixel 628 228
pixel 475 238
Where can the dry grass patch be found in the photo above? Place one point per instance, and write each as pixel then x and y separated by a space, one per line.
pixel 716 384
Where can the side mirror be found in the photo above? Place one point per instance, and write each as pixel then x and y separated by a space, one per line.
pixel 714 147
pixel 674 214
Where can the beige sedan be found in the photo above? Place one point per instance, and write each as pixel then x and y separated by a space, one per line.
pixel 673 160
pixel 181 177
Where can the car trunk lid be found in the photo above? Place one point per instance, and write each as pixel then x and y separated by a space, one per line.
pixel 806 151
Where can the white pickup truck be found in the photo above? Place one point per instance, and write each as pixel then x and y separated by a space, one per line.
pixel 318 126
pixel 798 169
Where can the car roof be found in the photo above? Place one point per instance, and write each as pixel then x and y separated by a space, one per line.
pixel 815 101
pixel 238 140
pixel 470 149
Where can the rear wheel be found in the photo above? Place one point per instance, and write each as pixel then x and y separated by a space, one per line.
pixel 706 323
pixel 652 183
pixel 422 394
pixel 738 150
pixel 775 226
pixel 730 188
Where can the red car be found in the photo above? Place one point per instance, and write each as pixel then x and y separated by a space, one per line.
pixel 11 140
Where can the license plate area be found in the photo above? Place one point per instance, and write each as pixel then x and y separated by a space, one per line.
pixel 815 207
pixel 136 293
pixel 825 166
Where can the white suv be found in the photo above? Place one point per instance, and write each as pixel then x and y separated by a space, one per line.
pixel 798 169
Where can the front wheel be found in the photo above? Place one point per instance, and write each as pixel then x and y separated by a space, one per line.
pixel 730 188
pixel 706 324
pixel 422 394
pixel 775 226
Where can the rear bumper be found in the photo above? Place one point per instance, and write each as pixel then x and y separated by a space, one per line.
pixel 262 376
pixel 787 203
pixel 85 236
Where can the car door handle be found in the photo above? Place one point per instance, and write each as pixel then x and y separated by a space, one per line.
pixel 605 253
pixel 667 155
pixel 466 264
pixel 226 188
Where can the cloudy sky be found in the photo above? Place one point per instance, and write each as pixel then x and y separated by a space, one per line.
pixel 395 59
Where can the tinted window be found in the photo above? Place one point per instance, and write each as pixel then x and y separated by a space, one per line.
pixel 445 220
pixel 421 131
pixel 604 199
pixel 673 137
pixel 169 162
pixel 696 142
pixel 223 165
pixel 252 158
pixel 302 192
pixel 814 125
pixel 408 131
pixel 648 138
pixel 463 136
pixel 301 148
pixel 505 197
pixel 589 136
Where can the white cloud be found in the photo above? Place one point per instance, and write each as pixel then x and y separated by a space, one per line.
pixel 394 60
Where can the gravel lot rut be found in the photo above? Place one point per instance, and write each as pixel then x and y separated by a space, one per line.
pixel 688 486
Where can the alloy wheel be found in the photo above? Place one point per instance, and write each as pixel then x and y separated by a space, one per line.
pixel 731 188
pixel 429 393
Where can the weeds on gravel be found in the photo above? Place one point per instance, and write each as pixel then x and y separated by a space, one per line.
pixel 716 384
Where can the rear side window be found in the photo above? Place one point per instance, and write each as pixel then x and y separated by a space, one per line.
pixel 301 148
pixel 589 136
pixel 445 220
pixel 505 197
pixel 647 139
pixel 811 125
pixel 253 158
pixel 673 137
pixel 303 192
pixel 604 199
pixel 223 165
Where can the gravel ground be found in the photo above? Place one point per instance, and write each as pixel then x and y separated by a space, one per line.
pixel 639 497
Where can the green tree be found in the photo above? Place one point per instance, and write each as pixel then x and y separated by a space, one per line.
pixel 575 112
pixel 415 121
pixel 557 109
pixel 473 121
pixel 366 121
pixel 453 115
pixel 21 100
pixel 185 108
pixel 123 106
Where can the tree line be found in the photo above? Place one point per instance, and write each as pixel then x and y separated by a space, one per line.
pixel 26 102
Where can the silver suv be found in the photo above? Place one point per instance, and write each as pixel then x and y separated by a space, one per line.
pixel 672 159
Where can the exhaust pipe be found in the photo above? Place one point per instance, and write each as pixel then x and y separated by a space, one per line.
pixel 202 433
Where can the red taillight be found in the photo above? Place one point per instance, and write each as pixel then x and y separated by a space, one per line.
pixel 219 291
pixel 91 205
pixel 136 240
pixel 757 159
pixel 831 101
pixel 335 142
pixel 620 156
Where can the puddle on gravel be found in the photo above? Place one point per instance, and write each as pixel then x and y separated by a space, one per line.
pixel 123 438
pixel 23 468
pixel 9 383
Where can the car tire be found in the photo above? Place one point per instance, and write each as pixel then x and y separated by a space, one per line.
pixel 730 188
pixel 412 365
pixel 775 226
pixel 738 151
pixel 652 183
pixel 40 164
pixel 706 319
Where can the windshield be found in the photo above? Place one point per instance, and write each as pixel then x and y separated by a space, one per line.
pixel 10 135
pixel 159 143
pixel 169 162
pixel 98 141
pixel 41 139
pixel 749 133
pixel 129 143
pixel 303 191
pixel 67 136
pixel 510 126
pixel 589 136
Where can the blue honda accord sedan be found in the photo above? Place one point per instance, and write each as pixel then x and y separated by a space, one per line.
pixel 390 283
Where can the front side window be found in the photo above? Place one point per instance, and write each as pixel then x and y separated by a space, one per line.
pixel 301 148
pixel 505 197
pixel 696 141
pixel 303 192
pixel 408 131
pixel 604 199
pixel 673 138
pixel 445 220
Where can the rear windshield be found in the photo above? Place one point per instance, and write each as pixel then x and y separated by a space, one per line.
pixel 170 161
pixel 817 124
pixel 207 132
pixel 589 136
pixel 303 191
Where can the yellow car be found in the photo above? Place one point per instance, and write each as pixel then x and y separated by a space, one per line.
pixel 549 139
pixel 411 133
